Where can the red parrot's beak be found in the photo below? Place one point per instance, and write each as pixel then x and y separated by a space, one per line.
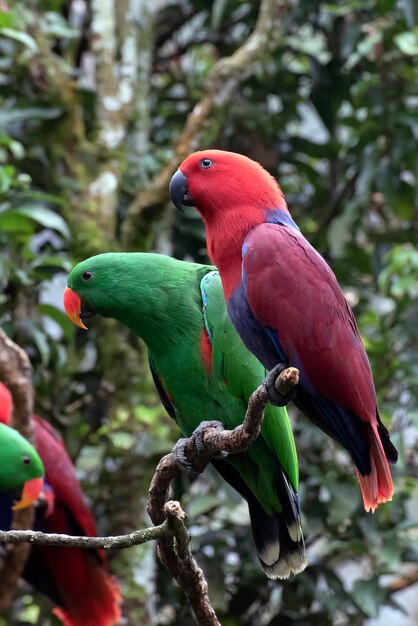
pixel 72 306
pixel 31 491
pixel 179 191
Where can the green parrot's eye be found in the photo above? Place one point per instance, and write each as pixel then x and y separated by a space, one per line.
pixel 206 163
pixel 26 460
pixel 87 275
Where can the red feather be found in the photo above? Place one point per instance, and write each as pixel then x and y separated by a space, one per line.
pixel 206 350
pixel 5 405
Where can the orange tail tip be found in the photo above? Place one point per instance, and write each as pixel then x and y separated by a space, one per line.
pixel 377 487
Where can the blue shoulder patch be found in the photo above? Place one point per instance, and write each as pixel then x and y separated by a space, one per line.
pixel 206 278
pixel 281 217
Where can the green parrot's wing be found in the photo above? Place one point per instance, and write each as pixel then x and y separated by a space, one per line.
pixel 243 373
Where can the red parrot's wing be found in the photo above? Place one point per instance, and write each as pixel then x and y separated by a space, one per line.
pixel 292 291
pixel 61 477
pixel 86 594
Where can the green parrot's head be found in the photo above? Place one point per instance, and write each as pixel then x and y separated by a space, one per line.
pixel 21 468
pixel 114 285
pixel 89 288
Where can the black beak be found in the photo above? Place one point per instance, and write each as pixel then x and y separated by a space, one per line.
pixel 178 191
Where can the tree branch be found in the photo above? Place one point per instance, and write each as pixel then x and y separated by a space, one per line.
pixel 222 81
pixel 168 517
pixel 16 373
pixel 404 581
pixel 120 542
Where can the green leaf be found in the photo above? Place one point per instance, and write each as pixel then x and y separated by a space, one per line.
pixel 407 43
pixel 16 148
pixel 368 596
pixel 59 317
pixel 7 20
pixel 7 178
pixel 21 37
pixel 33 194
pixel 202 504
pixel 40 340
pixel 11 221
pixel 218 10
pixel 45 217
pixel 54 24
pixel 8 116
pixel 51 261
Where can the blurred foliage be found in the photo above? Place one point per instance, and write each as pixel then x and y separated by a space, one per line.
pixel 333 114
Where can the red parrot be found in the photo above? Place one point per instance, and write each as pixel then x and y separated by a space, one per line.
pixel 76 579
pixel 287 306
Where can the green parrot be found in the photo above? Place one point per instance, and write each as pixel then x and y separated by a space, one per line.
pixel 202 371
pixel 21 469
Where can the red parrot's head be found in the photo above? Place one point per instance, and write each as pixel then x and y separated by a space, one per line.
pixel 217 181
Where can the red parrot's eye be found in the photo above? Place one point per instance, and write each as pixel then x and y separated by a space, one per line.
pixel 26 460
pixel 87 275
pixel 205 163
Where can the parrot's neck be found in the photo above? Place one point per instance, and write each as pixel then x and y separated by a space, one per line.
pixel 225 236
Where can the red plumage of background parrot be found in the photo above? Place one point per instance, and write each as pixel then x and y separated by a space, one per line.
pixel 76 579
pixel 287 306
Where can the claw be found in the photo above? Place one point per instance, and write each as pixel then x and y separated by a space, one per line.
pixel 199 433
pixel 269 382
pixel 181 459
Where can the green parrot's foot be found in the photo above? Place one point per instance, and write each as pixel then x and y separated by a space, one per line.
pixel 179 453
pixel 274 396
pixel 199 433
pixel 179 450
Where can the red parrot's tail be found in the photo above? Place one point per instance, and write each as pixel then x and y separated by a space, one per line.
pixel 376 487
pixel 98 606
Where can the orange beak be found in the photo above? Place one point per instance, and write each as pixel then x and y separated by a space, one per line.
pixel 31 491
pixel 72 306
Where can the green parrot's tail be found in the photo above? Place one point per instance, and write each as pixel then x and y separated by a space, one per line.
pixel 278 538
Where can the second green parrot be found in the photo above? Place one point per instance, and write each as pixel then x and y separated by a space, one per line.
pixel 202 371
pixel 21 469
